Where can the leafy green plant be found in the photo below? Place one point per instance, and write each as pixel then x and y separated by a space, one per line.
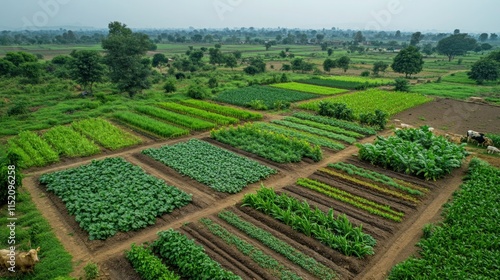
pixel 70 143
pixel 325 127
pixel 151 125
pixel 401 84
pixel 217 168
pixel 149 266
pixel 316 131
pixel 223 110
pixel 203 114
pixel 33 150
pixel 335 110
pixel 113 195
pixel 106 134
pixel 352 126
pixel 174 118
pixel 91 271
pixel 189 258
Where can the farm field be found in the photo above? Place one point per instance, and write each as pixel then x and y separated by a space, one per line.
pixel 310 88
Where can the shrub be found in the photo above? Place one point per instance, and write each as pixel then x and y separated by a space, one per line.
pixel 170 86
pixel 19 108
pixel 365 73
pixel 401 84
pixel 212 82
pixel 196 91
pixel 91 271
pixel 281 105
pixel 336 110
pixel 257 105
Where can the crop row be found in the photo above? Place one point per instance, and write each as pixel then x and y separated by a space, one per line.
pixel 217 168
pixel 151 125
pixel 309 88
pixel 337 233
pixel 352 126
pixel 106 134
pixel 465 244
pixel 274 146
pixel 311 138
pixel 317 131
pixel 373 99
pixel 70 143
pixel 223 110
pixel 213 117
pixel 147 265
pixel 269 96
pixel 188 258
pixel 354 200
pixel 279 246
pixel 32 149
pixel 415 151
pixel 262 259
pixel 113 195
pixel 376 177
pixel 369 185
pixel 325 127
pixel 174 118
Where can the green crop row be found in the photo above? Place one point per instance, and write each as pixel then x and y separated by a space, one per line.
pixel 269 96
pixel 465 245
pixel 223 110
pixel 34 151
pixel 372 81
pixel 352 126
pixel 317 131
pixel 309 88
pixel 274 146
pixel 373 99
pixel 213 117
pixel 106 134
pixel 415 151
pixel 174 118
pixel 311 138
pixel 113 195
pixel 189 258
pixel 356 201
pixel 369 185
pixel 262 259
pixel 279 246
pixel 156 127
pixel 70 143
pixel 336 84
pixel 147 265
pixel 217 168
pixel 374 176
pixel 326 127
pixel 336 233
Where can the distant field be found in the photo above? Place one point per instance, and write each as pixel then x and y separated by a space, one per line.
pixel 459 91
pixel 370 100
pixel 310 88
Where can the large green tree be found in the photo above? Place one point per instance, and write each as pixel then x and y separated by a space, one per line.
pixel 416 38
pixel 457 44
pixel 408 61
pixel 484 70
pixel 124 52
pixel 86 68
pixel 343 62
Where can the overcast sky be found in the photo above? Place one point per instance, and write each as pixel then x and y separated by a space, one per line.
pixel 405 15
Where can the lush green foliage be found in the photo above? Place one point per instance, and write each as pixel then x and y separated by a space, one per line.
pixel 279 246
pixel 217 168
pixel 32 231
pixel 336 110
pixel 495 138
pixel 269 96
pixel 274 146
pixel 311 138
pixel 401 84
pixel 408 61
pixel 335 232
pixel 484 70
pixel 106 134
pixel 459 91
pixel 151 125
pixel 177 119
pixel 309 88
pixel 34 151
pixel 325 127
pixel 262 259
pixel 375 177
pixel 189 258
pixel 148 265
pixel 415 151
pixel 347 82
pixel 223 110
pixel 70 143
pixel 317 131
pixel 213 117
pixel 378 119
pixel 373 99
pixel 465 245
pixel 352 126
pixel 113 195
pixel 354 200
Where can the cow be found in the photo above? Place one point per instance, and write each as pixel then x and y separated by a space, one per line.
pixel 479 138
pixel 454 138
pixel 492 150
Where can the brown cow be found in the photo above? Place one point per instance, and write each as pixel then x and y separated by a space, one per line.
pixel 25 261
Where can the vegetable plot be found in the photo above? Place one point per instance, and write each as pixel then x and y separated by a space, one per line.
pixel 148 265
pixel 352 126
pixel 309 88
pixel 217 168
pixel 34 151
pixel 335 232
pixel 219 119
pixel 188 257
pixel 465 244
pixel 317 131
pixel 159 128
pixel 113 195
pixel 174 118
pixel 325 127
pixel 223 110
pixel 69 142
pixel 415 151
pixel 106 134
